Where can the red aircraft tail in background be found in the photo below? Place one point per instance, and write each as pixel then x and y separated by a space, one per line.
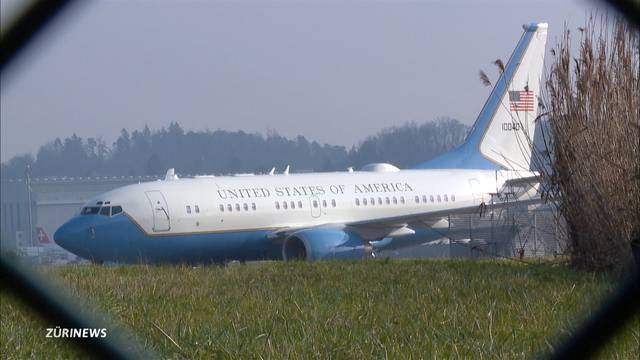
pixel 42 236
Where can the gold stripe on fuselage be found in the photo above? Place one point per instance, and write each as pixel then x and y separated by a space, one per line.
pixel 198 232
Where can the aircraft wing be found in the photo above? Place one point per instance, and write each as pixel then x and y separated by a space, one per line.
pixel 519 189
pixel 278 235
pixel 524 191
pixel 376 229
pixel 281 233
pixel 528 180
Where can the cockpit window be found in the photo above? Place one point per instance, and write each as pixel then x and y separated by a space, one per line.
pixel 90 210
pixel 104 211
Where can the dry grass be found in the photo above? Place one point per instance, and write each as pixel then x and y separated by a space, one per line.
pixel 593 105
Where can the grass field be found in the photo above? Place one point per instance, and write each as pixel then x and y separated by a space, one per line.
pixel 370 309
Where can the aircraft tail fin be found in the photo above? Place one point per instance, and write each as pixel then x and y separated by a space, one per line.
pixel 43 237
pixel 502 135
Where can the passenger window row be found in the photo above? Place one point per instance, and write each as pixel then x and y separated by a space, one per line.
pixel 238 207
pixel 435 198
pixel 196 209
pixel 379 201
pixel 372 201
pixel 286 205
pixel 316 203
pixel 299 204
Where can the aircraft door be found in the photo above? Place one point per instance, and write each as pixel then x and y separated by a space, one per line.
pixel 316 206
pixel 161 219
pixel 476 191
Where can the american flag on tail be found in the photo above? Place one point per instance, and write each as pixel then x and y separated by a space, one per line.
pixel 521 100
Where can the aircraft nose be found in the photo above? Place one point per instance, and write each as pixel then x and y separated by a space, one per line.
pixel 62 235
pixel 68 236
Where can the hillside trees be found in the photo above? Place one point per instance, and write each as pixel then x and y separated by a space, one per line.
pixel 147 152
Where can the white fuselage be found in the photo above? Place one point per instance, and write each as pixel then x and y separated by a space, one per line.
pixel 241 203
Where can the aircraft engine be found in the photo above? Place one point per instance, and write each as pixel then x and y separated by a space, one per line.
pixel 324 244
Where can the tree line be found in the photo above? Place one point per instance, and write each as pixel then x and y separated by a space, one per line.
pixel 147 152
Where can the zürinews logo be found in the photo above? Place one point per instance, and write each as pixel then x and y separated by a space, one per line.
pixel 59 332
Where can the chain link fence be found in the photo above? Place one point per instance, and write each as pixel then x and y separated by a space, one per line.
pixel 512 231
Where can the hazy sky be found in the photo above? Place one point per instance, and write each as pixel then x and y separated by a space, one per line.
pixel 333 71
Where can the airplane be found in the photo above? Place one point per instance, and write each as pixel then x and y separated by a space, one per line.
pixel 43 237
pixel 332 215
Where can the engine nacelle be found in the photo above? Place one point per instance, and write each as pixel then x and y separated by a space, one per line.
pixel 324 244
